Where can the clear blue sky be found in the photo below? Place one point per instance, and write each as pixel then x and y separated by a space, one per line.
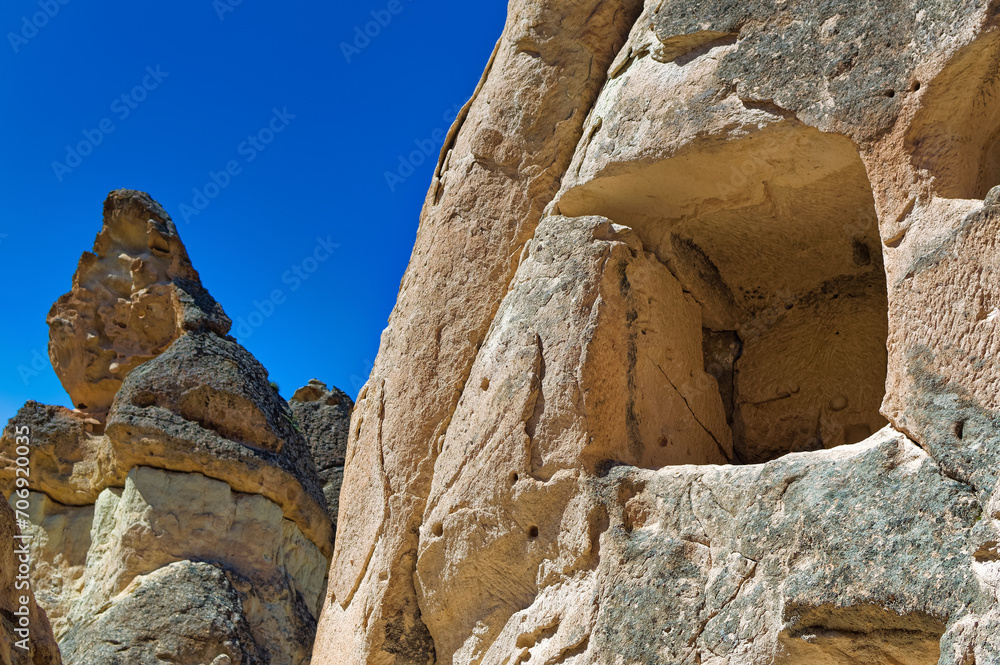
pixel 211 84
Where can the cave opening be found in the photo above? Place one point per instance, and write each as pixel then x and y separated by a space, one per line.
pixel 775 237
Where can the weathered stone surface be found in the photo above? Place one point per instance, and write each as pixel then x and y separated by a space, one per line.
pixel 71 460
pixel 776 234
pixel 183 520
pixel 41 645
pixel 91 563
pixel 131 298
pixel 188 612
pixel 789 562
pixel 61 539
pixel 160 518
pixel 206 406
pixel 710 564
pixel 323 415
pixel 500 165
pixel 504 501
pixel 779 245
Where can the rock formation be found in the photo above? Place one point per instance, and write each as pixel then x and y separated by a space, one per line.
pixel 323 415
pixel 695 360
pixel 25 634
pixel 177 514
pixel 131 298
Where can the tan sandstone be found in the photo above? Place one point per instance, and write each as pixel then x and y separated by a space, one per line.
pixel 131 298
pixel 177 515
pixel 732 397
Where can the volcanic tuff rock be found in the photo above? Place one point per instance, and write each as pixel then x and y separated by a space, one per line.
pixel 324 417
pixel 182 486
pixel 131 298
pixel 42 649
pixel 667 239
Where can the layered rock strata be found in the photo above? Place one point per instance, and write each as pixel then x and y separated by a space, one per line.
pixel 177 515
pixel 666 240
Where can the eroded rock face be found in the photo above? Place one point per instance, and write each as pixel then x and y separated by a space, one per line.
pixel 191 611
pixel 177 516
pixel 132 296
pixel 775 243
pixel 323 415
pixel 501 165
pixel 206 406
pixel 25 634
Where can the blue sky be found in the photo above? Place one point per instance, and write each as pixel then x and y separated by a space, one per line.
pixel 163 95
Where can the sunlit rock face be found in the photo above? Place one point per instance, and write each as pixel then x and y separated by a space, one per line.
pixel 695 360
pixel 132 296
pixel 177 514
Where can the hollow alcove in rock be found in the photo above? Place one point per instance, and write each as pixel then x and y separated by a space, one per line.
pixel 854 635
pixel 955 137
pixel 775 236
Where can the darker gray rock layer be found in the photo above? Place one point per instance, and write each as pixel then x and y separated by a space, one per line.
pixel 323 415
pixel 187 612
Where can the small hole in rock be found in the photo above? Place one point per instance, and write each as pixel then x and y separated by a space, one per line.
pixel 533 532
pixel 890 93
pixel 960 429
pixel 438 529
pixel 916 86
pixel 513 477
pixel 142 400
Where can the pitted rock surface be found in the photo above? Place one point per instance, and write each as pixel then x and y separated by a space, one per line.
pixel 323 415
pixel 132 296
pixel 731 398
pixel 177 515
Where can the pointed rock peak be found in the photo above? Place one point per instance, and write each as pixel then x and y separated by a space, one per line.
pixel 132 296
pixel 316 390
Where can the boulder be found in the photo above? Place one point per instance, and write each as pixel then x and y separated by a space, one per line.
pixel 177 514
pixel 189 612
pixel 206 406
